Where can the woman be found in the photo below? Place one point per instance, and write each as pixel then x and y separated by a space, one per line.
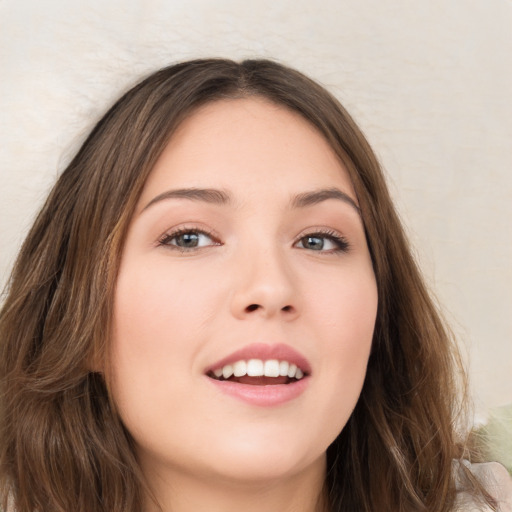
pixel 217 307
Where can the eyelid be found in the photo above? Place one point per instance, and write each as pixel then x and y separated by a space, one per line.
pixel 332 234
pixel 176 231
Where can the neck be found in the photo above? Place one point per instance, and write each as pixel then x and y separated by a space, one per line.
pixel 177 491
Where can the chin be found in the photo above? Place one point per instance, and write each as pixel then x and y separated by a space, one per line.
pixel 259 458
pixel 265 469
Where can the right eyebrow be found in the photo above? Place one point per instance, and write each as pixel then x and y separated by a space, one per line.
pixel 208 195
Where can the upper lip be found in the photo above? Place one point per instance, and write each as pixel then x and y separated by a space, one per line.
pixel 265 352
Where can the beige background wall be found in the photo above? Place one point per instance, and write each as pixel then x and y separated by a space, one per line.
pixel 430 82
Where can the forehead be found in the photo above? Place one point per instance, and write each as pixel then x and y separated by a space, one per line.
pixel 247 145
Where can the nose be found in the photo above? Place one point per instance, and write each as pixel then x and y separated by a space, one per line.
pixel 264 287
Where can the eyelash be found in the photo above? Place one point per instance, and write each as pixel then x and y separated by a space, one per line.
pixel 341 243
pixel 168 237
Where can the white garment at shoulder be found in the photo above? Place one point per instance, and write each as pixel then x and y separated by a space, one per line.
pixel 498 484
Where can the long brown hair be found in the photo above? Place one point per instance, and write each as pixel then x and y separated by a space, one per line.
pixel 62 445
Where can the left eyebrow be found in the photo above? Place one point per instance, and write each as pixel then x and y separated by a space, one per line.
pixel 317 196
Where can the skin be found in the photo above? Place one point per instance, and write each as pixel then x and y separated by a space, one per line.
pixel 255 277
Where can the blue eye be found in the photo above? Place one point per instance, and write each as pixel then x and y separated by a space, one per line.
pixel 187 239
pixel 323 242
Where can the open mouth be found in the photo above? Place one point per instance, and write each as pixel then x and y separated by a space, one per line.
pixel 258 372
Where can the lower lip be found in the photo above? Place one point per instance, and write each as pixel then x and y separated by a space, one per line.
pixel 263 396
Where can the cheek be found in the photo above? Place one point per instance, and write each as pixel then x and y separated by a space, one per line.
pixel 158 329
pixel 345 305
pixel 345 318
pixel 157 332
pixel 154 308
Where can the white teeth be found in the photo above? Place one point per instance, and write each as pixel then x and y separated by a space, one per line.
pixel 255 368
pixel 239 368
pixel 271 368
pixel 227 371
pixel 260 368
pixel 283 368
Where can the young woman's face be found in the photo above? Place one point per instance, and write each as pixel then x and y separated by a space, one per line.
pixel 246 254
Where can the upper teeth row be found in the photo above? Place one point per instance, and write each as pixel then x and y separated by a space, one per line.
pixel 259 368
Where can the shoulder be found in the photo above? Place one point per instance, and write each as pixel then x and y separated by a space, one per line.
pixel 496 480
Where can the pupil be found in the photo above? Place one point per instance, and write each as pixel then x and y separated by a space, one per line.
pixel 314 242
pixel 188 240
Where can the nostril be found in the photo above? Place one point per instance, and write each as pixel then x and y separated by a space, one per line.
pixel 254 307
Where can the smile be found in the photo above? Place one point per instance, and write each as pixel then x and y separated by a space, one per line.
pixel 259 372
pixel 262 375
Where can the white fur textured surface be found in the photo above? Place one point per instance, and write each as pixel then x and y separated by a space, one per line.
pixel 497 483
pixel 429 82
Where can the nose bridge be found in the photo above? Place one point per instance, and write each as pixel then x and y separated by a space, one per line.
pixel 264 282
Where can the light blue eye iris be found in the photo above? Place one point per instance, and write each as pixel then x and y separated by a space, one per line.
pixel 318 243
pixel 190 240
pixel 315 243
